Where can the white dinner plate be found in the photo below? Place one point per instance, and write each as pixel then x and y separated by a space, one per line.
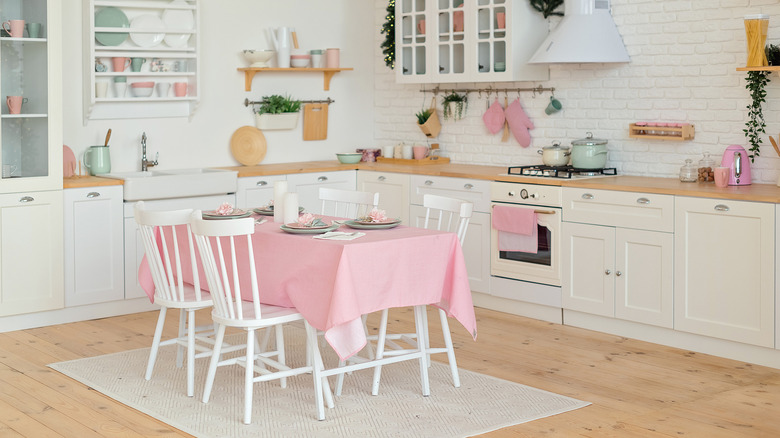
pixel 375 226
pixel 269 211
pixel 178 19
pixel 287 229
pixel 237 214
pixel 147 22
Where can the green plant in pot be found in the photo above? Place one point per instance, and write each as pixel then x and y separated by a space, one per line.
pixel 428 122
pixel 277 112
pixel 454 105
pixel 422 116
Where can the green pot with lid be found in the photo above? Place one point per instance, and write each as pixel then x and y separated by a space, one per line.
pixel 589 152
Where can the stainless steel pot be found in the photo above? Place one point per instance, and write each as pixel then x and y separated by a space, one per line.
pixel 589 153
pixel 555 155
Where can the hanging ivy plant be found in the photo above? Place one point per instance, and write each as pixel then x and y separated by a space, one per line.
pixel 459 101
pixel 388 45
pixel 547 7
pixel 754 127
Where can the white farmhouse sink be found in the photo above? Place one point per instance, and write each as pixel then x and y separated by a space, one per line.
pixel 178 183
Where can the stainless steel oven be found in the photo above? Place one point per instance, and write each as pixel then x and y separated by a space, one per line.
pixel 527 276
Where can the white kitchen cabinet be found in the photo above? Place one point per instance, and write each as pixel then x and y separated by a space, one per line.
pixel 256 191
pixel 31 253
pixel 476 247
pixel 307 185
pixel 31 69
pixel 164 33
pixel 618 255
pixel 94 252
pixel 393 189
pixel 440 41
pixel 725 269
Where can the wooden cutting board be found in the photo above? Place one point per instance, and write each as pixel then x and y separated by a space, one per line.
pixel 315 121
pixel 248 145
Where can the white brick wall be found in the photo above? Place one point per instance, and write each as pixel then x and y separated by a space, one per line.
pixel 684 55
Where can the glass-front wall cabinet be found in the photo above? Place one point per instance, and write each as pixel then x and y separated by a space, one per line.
pixel 24 83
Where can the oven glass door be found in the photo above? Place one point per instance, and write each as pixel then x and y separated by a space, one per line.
pixel 541 266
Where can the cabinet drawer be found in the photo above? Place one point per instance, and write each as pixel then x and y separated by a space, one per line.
pixel 475 191
pixel 620 209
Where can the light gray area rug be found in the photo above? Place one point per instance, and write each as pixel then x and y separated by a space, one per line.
pixel 482 403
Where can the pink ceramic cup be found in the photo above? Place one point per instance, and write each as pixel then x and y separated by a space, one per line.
pixel 120 63
pixel 721 176
pixel 15 104
pixel 421 27
pixel 420 152
pixel 179 89
pixel 15 28
pixel 500 20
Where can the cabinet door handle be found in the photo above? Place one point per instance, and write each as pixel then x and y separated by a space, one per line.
pixel 721 207
pixel 587 196
pixel 322 179
pixel 642 201
pixel 468 186
pixel 382 178
pixel 93 194
pixel 27 199
pixel 607 272
pixel 618 273
pixel 261 183
pixel 428 182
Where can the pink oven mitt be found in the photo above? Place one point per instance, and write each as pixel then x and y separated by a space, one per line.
pixel 494 117
pixel 519 123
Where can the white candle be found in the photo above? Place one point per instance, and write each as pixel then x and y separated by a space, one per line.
pixel 290 208
pixel 280 188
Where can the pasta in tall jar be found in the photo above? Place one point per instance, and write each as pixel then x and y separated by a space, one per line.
pixel 756 27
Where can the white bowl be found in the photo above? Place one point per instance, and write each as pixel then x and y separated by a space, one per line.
pixel 142 91
pixel 258 58
pixel 299 62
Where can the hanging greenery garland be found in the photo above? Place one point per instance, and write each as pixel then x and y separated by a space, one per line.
pixel 388 46
pixel 754 127
pixel 547 7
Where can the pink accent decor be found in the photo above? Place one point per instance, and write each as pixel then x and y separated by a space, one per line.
pixel 494 117
pixel 519 123
pixel 517 230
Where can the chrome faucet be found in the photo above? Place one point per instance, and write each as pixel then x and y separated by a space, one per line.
pixel 146 164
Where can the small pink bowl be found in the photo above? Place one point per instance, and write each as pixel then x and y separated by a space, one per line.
pixel 142 84
pixel 300 56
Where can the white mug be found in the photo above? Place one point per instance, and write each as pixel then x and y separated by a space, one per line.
pixel 408 152
pixel 388 151
pixel 162 89
pixel 120 88
pixel 100 89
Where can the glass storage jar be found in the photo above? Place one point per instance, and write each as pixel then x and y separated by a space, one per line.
pixel 688 172
pixel 706 168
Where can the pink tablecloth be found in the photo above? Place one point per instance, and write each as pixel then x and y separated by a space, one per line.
pixel 332 282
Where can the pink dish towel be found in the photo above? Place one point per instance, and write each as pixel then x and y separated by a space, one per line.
pixel 519 123
pixel 494 117
pixel 517 229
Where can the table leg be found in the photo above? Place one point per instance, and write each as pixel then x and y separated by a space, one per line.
pixel 419 325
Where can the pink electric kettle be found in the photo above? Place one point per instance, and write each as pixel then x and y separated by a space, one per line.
pixel 738 162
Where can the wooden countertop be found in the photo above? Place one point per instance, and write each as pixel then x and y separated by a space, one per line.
pixel 669 186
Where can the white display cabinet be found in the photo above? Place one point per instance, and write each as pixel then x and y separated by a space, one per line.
pixel 164 33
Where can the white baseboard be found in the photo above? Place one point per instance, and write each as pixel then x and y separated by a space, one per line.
pixel 74 314
pixel 520 308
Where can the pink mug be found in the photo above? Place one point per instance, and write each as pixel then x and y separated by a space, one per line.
pixel 179 89
pixel 120 64
pixel 500 20
pixel 421 27
pixel 15 104
pixel 721 176
pixel 420 152
pixel 15 28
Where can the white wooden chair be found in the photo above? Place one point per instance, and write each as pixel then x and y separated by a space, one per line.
pixel 217 241
pixel 347 203
pixel 442 213
pixel 160 233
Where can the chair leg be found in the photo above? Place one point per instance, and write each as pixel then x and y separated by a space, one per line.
pixel 190 353
pixel 445 328
pixel 182 332
pixel 426 339
pixel 156 342
pixel 418 319
pixel 380 351
pixel 280 351
pixel 311 345
pixel 249 375
pixel 214 363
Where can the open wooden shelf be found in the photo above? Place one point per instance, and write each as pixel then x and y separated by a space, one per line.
pixel 764 68
pixel 674 133
pixel 250 72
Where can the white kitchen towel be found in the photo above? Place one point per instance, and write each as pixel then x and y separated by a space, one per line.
pixel 339 235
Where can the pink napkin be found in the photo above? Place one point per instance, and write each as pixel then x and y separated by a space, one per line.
pixel 494 117
pixel 519 123
pixel 517 230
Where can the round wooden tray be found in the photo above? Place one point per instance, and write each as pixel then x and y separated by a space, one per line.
pixel 248 145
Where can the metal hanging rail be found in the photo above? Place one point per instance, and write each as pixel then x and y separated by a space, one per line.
pixel 248 102
pixel 488 90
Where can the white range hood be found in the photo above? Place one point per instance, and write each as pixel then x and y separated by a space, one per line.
pixel 586 34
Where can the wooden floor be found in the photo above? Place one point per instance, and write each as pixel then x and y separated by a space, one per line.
pixel 636 389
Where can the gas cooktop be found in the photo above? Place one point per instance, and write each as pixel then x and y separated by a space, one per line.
pixel 559 171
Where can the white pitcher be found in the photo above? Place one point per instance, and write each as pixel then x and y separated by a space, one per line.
pixel 283 45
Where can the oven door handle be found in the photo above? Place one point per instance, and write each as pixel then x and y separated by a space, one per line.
pixel 544 211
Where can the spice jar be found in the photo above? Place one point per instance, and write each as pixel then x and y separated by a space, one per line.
pixel 706 168
pixel 688 172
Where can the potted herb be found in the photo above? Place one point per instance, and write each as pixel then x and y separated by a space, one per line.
pixel 458 101
pixel 277 112
pixel 428 121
